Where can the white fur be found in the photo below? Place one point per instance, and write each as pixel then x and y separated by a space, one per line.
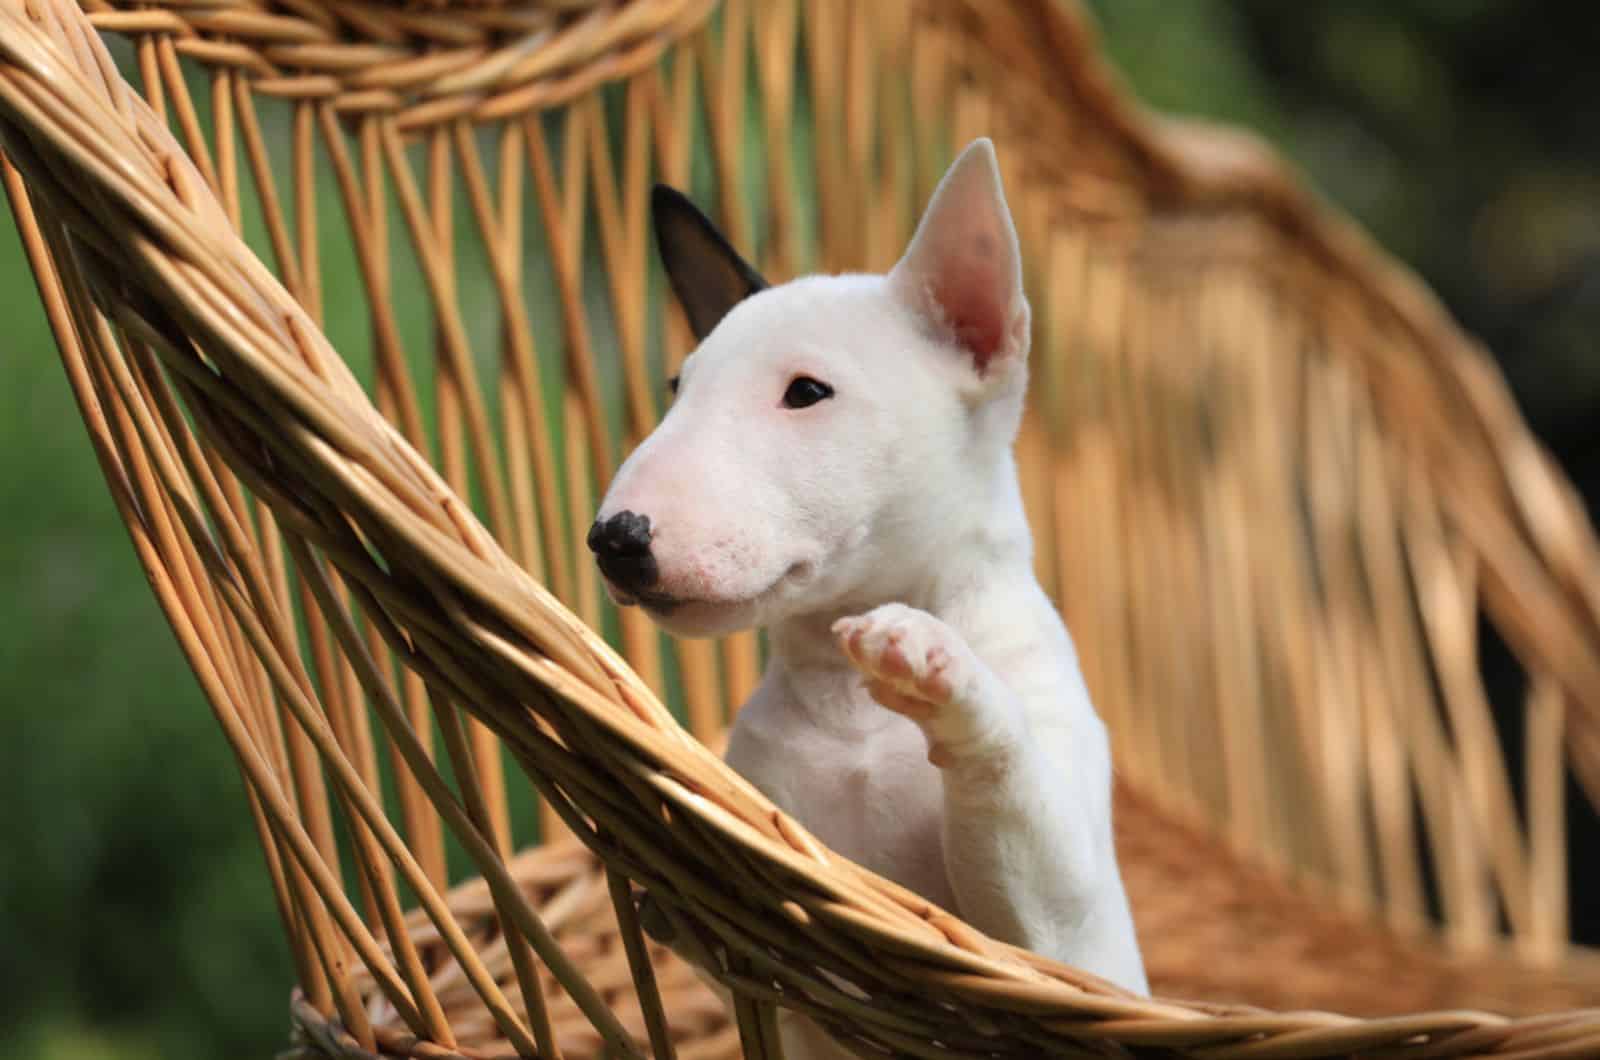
pixel 879 536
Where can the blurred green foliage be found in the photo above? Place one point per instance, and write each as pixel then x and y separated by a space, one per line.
pixel 135 919
pixel 1460 132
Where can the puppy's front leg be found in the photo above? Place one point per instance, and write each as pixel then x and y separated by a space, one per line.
pixel 1026 842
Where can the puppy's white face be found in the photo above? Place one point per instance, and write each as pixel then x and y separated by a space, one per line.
pixel 830 434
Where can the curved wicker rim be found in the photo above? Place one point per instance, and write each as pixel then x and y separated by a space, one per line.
pixel 279 403
pixel 427 62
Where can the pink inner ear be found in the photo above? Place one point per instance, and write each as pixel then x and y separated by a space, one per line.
pixel 971 294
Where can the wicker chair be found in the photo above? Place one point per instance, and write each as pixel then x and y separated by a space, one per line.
pixel 1274 490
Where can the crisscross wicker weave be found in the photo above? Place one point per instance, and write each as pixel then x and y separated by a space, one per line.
pixel 1274 491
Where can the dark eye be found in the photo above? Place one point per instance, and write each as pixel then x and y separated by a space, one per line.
pixel 804 392
pixel 672 385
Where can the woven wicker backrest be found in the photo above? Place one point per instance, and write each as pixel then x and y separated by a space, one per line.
pixel 1274 490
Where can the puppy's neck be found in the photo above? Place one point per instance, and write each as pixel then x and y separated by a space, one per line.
pixel 987 549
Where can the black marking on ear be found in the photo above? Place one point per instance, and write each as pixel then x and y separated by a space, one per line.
pixel 707 274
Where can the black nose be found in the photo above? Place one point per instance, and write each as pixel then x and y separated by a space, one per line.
pixel 621 545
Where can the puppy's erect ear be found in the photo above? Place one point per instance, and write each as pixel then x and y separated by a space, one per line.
pixel 707 274
pixel 963 269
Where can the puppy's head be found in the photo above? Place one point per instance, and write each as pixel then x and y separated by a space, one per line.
pixel 830 435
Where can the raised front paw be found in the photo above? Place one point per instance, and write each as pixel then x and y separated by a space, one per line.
pixel 916 665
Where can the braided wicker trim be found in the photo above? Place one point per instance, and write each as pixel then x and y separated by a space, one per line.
pixel 425 62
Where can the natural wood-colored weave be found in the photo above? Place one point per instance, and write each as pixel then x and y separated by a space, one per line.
pixel 1274 488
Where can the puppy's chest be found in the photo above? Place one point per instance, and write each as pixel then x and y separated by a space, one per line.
pixel 876 800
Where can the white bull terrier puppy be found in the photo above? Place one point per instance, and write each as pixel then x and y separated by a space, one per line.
pixel 837 468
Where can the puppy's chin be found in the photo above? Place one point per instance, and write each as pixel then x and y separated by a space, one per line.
pixel 690 618
pixel 702 618
pixel 718 617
